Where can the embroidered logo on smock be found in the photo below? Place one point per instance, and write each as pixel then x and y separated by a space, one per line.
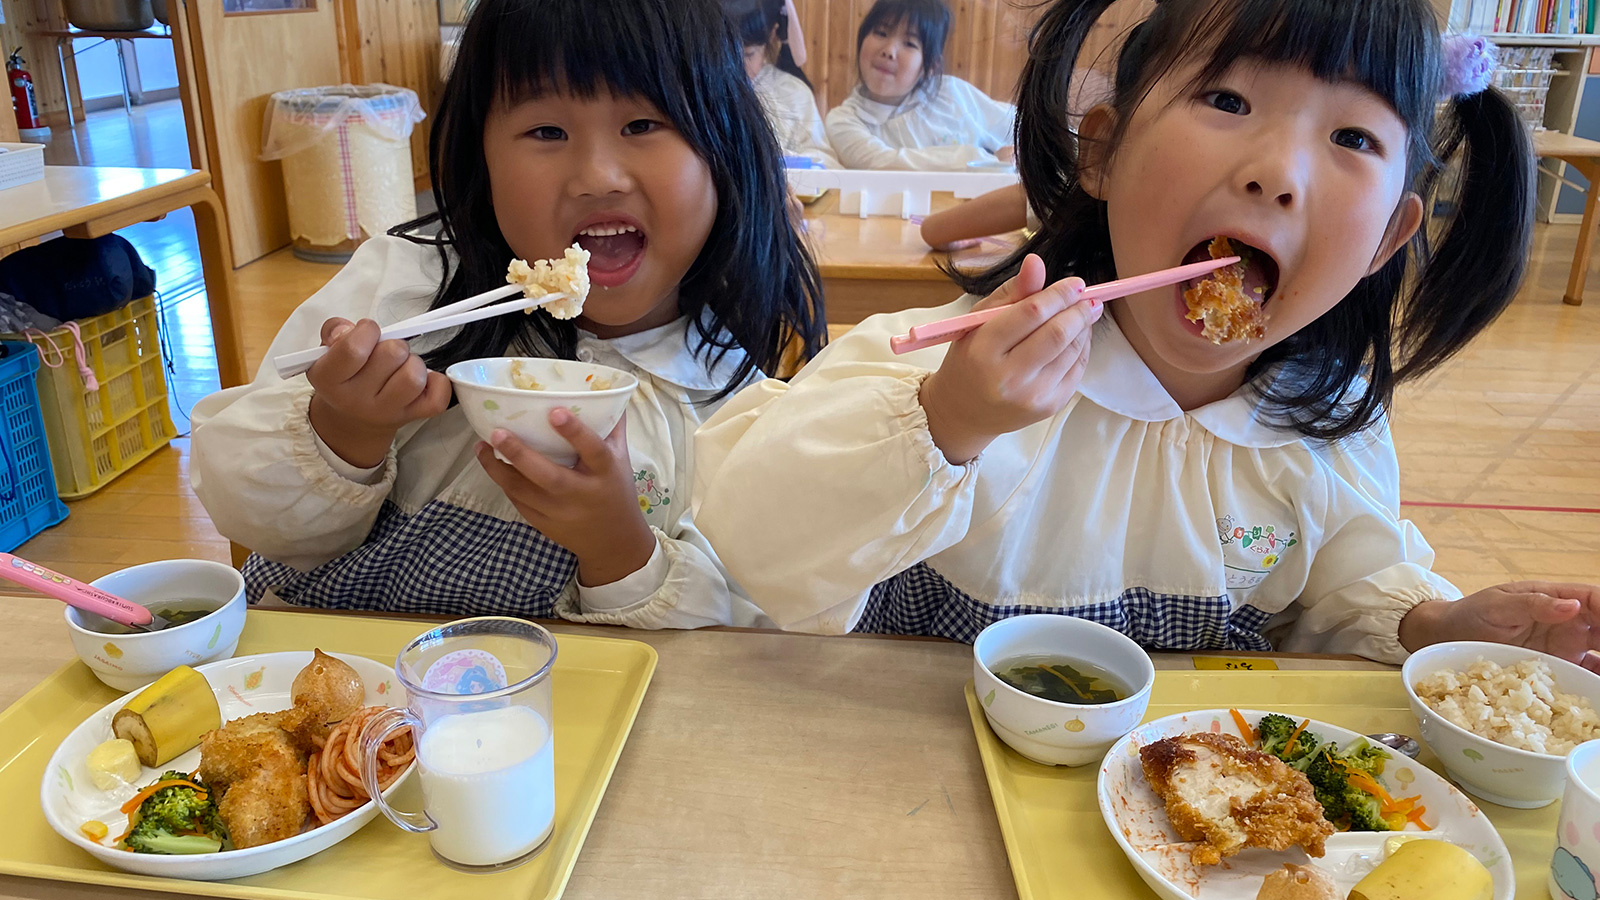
pixel 652 494
pixel 1259 549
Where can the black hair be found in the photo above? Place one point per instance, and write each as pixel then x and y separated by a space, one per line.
pixel 929 20
pixel 1336 376
pixel 753 285
pixel 755 20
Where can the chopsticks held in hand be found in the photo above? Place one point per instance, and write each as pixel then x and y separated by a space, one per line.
pixel 472 309
pixel 945 330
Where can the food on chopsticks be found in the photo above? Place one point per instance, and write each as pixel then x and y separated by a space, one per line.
pixel 1062 680
pixel 113 763
pixel 1294 882
pixel 1227 797
pixel 175 814
pixel 168 718
pixel 568 276
pixel 333 774
pixel 1517 705
pixel 1229 302
pixel 1344 780
pixel 1427 870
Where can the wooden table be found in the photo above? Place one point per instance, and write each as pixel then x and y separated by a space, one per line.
pixel 90 201
pixel 880 264
pixel 1584 155
pixel 762 765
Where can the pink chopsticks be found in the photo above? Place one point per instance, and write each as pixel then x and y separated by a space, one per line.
pixel 946 330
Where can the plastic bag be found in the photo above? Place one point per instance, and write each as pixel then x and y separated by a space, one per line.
pixel 298 119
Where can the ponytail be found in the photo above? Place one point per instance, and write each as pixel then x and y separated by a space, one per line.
pixel 1047 157
pixel 1473 273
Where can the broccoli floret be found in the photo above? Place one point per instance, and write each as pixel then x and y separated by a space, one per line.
pixel 1328 780
pixel 177 819
pixel 1365 756
pixel 1363 810
pixel 150 837
pixel 1276 733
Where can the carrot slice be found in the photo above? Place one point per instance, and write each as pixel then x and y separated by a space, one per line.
pixel 1415 816
pixel 144 795
pixel 1244 727
pixel 1289 747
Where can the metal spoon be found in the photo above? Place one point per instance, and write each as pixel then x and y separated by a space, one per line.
pixel 1398 742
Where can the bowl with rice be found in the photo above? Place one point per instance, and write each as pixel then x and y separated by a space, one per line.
pixel 519 393
pixel 1502 719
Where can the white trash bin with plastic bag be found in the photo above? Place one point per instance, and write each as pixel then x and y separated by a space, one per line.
pixel 346 154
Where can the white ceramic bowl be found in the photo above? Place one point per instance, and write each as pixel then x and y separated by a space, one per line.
pixel 484 388
pixel 130 661
pixel 243 686
pixel 1059 734
pixel 1494 772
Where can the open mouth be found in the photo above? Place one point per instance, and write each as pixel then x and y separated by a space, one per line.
pixel 1230 303
pixel 616 248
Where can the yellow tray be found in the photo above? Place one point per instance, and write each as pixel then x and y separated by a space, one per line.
pixel 598 685
pixel 1059 846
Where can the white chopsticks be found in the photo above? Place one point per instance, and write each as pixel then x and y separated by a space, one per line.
pixel 472 309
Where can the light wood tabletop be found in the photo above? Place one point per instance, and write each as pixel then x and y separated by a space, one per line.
pixel 91 201
pixel 762 765
pixel 880 264
pixel 1584 155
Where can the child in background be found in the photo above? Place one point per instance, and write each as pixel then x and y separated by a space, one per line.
pixel 790 105
pixel 907 114
pixel 1194 494
pixel 629 128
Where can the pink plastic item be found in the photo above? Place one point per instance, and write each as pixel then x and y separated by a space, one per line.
pixel 946 330
pixel 77 594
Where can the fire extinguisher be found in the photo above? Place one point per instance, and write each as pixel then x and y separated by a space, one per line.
pixel 22 99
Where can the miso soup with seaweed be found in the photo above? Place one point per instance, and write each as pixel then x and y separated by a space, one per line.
pixel 1062 680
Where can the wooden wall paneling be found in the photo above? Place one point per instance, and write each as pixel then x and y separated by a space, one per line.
pixel 240 61
pixel 399 45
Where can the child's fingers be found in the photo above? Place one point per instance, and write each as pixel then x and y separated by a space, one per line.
pixel 387 358
pixel 593 453
pixel 533 465
pixel 435 398
pixel 334 328
pixel 1010 329
pixel 1055 334
pixel 512 482
pixel 1028 280
pixel 404 385
pixel 347 354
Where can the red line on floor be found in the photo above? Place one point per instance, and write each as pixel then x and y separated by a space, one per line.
pixel 1559 509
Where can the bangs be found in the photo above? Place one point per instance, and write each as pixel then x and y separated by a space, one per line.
pixel 1389 47
pixel 582 49
pixel 928 20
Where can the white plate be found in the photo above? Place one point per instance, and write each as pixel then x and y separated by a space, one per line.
pixel 243 686
pixel 1138 821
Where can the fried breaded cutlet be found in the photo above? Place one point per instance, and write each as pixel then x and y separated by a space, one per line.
pixel 1219 302
pixel 260 769
pixel 1229 797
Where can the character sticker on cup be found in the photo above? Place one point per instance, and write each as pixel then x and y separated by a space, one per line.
pixel 470 671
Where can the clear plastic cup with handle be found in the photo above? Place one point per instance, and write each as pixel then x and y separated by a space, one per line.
pixel 479 710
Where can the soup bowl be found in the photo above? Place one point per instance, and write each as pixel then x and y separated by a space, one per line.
pixel 1045 731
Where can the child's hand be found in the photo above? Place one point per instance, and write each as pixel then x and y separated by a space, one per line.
pixel 1018 368
pixel 591 509
pixel 366 389
pixel 1559 619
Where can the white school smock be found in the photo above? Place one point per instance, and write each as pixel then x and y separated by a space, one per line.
pixel 792 111
pixel 828 501
pixel 957 125
pixel 427 530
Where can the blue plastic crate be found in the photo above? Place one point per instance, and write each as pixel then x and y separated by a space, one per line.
pixel 28 501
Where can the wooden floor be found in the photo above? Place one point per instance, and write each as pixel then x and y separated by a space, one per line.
pixel 1499 452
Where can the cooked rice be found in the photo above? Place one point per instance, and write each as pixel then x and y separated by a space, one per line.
pixel 1518 706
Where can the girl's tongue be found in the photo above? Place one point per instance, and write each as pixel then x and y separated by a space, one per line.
pixel 612 252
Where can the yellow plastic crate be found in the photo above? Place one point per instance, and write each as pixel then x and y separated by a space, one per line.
pixel 97 435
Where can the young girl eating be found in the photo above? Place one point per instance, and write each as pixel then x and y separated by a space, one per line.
pixel 629 128
pixel 790 105
pixel 907 114
pixel 1190 490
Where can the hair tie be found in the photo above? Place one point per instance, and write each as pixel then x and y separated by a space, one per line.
pixel 1469 63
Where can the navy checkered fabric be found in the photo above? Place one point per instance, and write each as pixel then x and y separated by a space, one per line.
pixel 920 601
pixel 444 560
